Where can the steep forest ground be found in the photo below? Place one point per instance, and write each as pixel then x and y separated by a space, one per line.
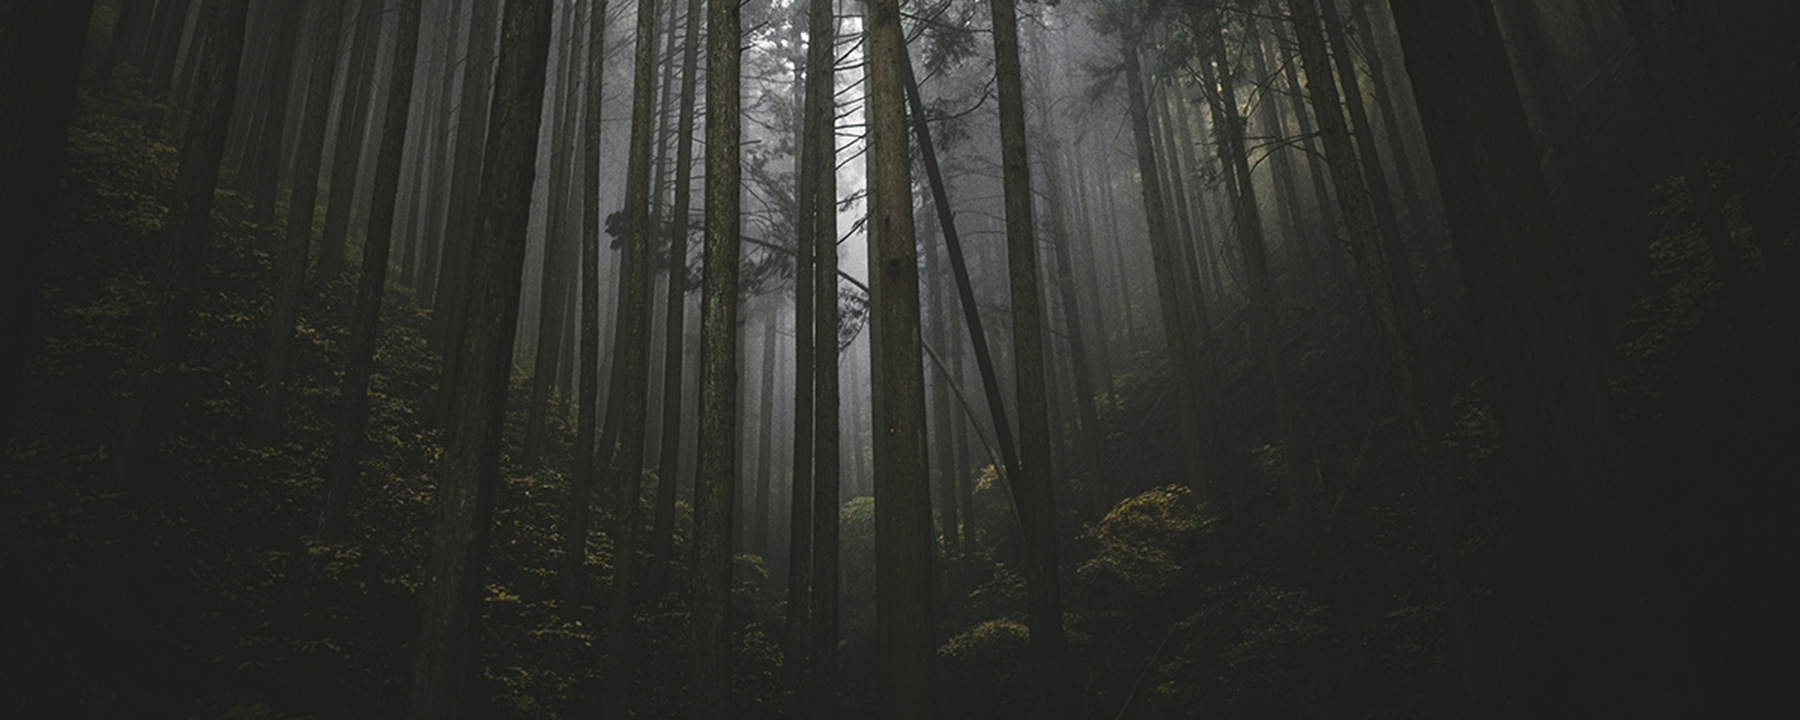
pixel 201 593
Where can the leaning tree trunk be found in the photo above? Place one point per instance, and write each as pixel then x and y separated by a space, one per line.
pixel 715 483
pixel 446 667
pixel 186 236
pixel 365 327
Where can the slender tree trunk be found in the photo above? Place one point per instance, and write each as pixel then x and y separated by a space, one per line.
pixel 553 278
pixel 821 110
pixel 717 478
pixel 449 305
pixel 675 314
pixel 265 421
pixel 765 420
pixel 941 411
pixel 1333 260
pixel 40 66
pixel 959 267
pixel 576 516
pixel 184 244
pixel 799 584
pixel 631 374
pixel 905 630
pixel 365 327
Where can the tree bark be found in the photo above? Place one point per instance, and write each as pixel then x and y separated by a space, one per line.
pixel 716 481
pixel 821 109
pixel 905 631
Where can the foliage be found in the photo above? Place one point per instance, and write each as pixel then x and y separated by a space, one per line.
pixel 1140 542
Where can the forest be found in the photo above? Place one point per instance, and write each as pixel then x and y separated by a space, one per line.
pixel 899 359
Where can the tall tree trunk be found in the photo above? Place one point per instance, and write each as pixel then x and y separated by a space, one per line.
pixel 905 630
pixel 447 666
pixel 1581 527
pixel 821 116
pixel 765 420
pixel 352 126
pixel 449 305
pixel 799 585
pixel 959 267
pixel 265 421
pixel 40 65
pixel 365 327
pixel 717 478
pixel 941 411
pixel 675 313
pixel 185 238
pixel 631 372
pixel 553 279
pixel 576 515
